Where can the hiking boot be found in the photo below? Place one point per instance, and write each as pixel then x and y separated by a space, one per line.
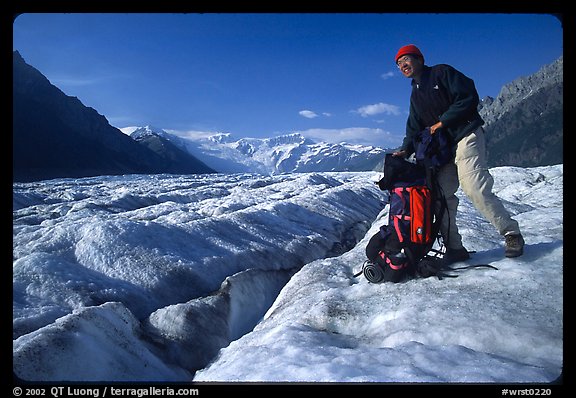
pixel 514 245
pixel 455 255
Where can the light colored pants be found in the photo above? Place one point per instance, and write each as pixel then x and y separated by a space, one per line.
pixel 469 170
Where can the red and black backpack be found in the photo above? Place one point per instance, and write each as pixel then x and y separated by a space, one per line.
pixel 415 210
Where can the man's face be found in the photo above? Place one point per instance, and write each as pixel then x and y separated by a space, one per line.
pixel 409 65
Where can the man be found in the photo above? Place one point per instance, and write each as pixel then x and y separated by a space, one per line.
pixel 444 98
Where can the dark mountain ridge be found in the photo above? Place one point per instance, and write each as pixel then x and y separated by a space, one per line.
pixel 54 135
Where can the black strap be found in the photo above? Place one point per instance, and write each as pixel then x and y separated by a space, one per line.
pixel 441 274
pixel 433 265
pixel 474 266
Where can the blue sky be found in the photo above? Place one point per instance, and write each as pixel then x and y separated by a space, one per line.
pixel 330 76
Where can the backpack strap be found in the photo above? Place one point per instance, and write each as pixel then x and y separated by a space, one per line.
pixel 435 266
pixel 400 217
pixel 438 198
pixel 473 266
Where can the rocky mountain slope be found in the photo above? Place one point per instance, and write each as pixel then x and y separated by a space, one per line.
pixel 55 135
pixel 524 123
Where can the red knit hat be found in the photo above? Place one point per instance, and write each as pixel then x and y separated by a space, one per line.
pixel 409 49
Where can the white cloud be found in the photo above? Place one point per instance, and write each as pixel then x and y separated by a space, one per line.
pixel 308 114
pixel 84 80
pixel 387 75
pixel 355 135
pixel 375 109
pixel 75 82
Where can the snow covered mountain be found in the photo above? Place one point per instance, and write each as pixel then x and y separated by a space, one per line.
pixel 290 153
pixel 245 277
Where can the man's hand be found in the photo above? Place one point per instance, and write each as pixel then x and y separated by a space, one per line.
pixel 435 127
pixel 401 153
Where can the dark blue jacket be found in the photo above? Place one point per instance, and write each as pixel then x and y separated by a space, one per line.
pixel 443 94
